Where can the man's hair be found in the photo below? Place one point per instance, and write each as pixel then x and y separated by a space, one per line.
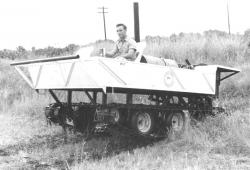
pixel 123 25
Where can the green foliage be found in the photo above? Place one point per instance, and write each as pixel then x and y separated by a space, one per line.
pixel 22 53
pixel 53 52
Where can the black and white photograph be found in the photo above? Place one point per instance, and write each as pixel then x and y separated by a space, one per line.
pixel 124 85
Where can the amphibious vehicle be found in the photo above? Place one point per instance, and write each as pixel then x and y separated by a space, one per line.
pixel 150 96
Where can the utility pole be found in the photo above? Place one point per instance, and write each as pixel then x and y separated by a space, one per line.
pixel 103 12
pixel 136 22
pixel 228 20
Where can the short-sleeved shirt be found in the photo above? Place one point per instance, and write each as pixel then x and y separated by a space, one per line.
pixel 123 46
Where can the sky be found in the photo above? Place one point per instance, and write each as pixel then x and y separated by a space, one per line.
pixel 42 23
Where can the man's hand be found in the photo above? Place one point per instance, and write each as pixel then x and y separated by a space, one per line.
pixel 112 53
pixel 129 56
pixel 101 52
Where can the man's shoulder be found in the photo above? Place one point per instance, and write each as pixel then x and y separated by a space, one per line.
pixel 117 41
pixel 131 40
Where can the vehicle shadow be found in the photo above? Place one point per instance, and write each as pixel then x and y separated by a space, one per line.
pixel 118 141
pixel 75 147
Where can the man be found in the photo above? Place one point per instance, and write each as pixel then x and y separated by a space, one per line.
pixel 125 47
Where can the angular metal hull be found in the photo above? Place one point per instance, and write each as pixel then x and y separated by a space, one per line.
pixel 103 73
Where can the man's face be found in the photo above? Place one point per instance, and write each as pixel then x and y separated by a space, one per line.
pixel 121 32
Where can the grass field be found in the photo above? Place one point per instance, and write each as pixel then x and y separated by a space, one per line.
pixel 221 142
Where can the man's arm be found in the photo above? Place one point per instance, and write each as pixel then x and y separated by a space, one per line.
pixel 112 53
pixel 130 55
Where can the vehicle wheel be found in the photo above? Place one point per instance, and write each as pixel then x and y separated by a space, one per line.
pixel 116 113
pixel 198 115
pixel 143 122
pixel 176 122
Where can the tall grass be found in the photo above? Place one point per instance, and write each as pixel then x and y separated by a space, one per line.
pixel 199 49
pixel 12 87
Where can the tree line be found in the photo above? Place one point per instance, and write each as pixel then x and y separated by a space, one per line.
pixel 22 53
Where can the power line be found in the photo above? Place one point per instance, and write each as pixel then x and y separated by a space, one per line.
pixel 103 12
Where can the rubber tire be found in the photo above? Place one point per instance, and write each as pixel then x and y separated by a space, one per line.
pixel 198 116
pixel 169 121
pixel 123 117
pixel 134 120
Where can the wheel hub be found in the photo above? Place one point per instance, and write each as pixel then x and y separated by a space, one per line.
pixel 177 122
pixel 116 115
pixel 144 122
